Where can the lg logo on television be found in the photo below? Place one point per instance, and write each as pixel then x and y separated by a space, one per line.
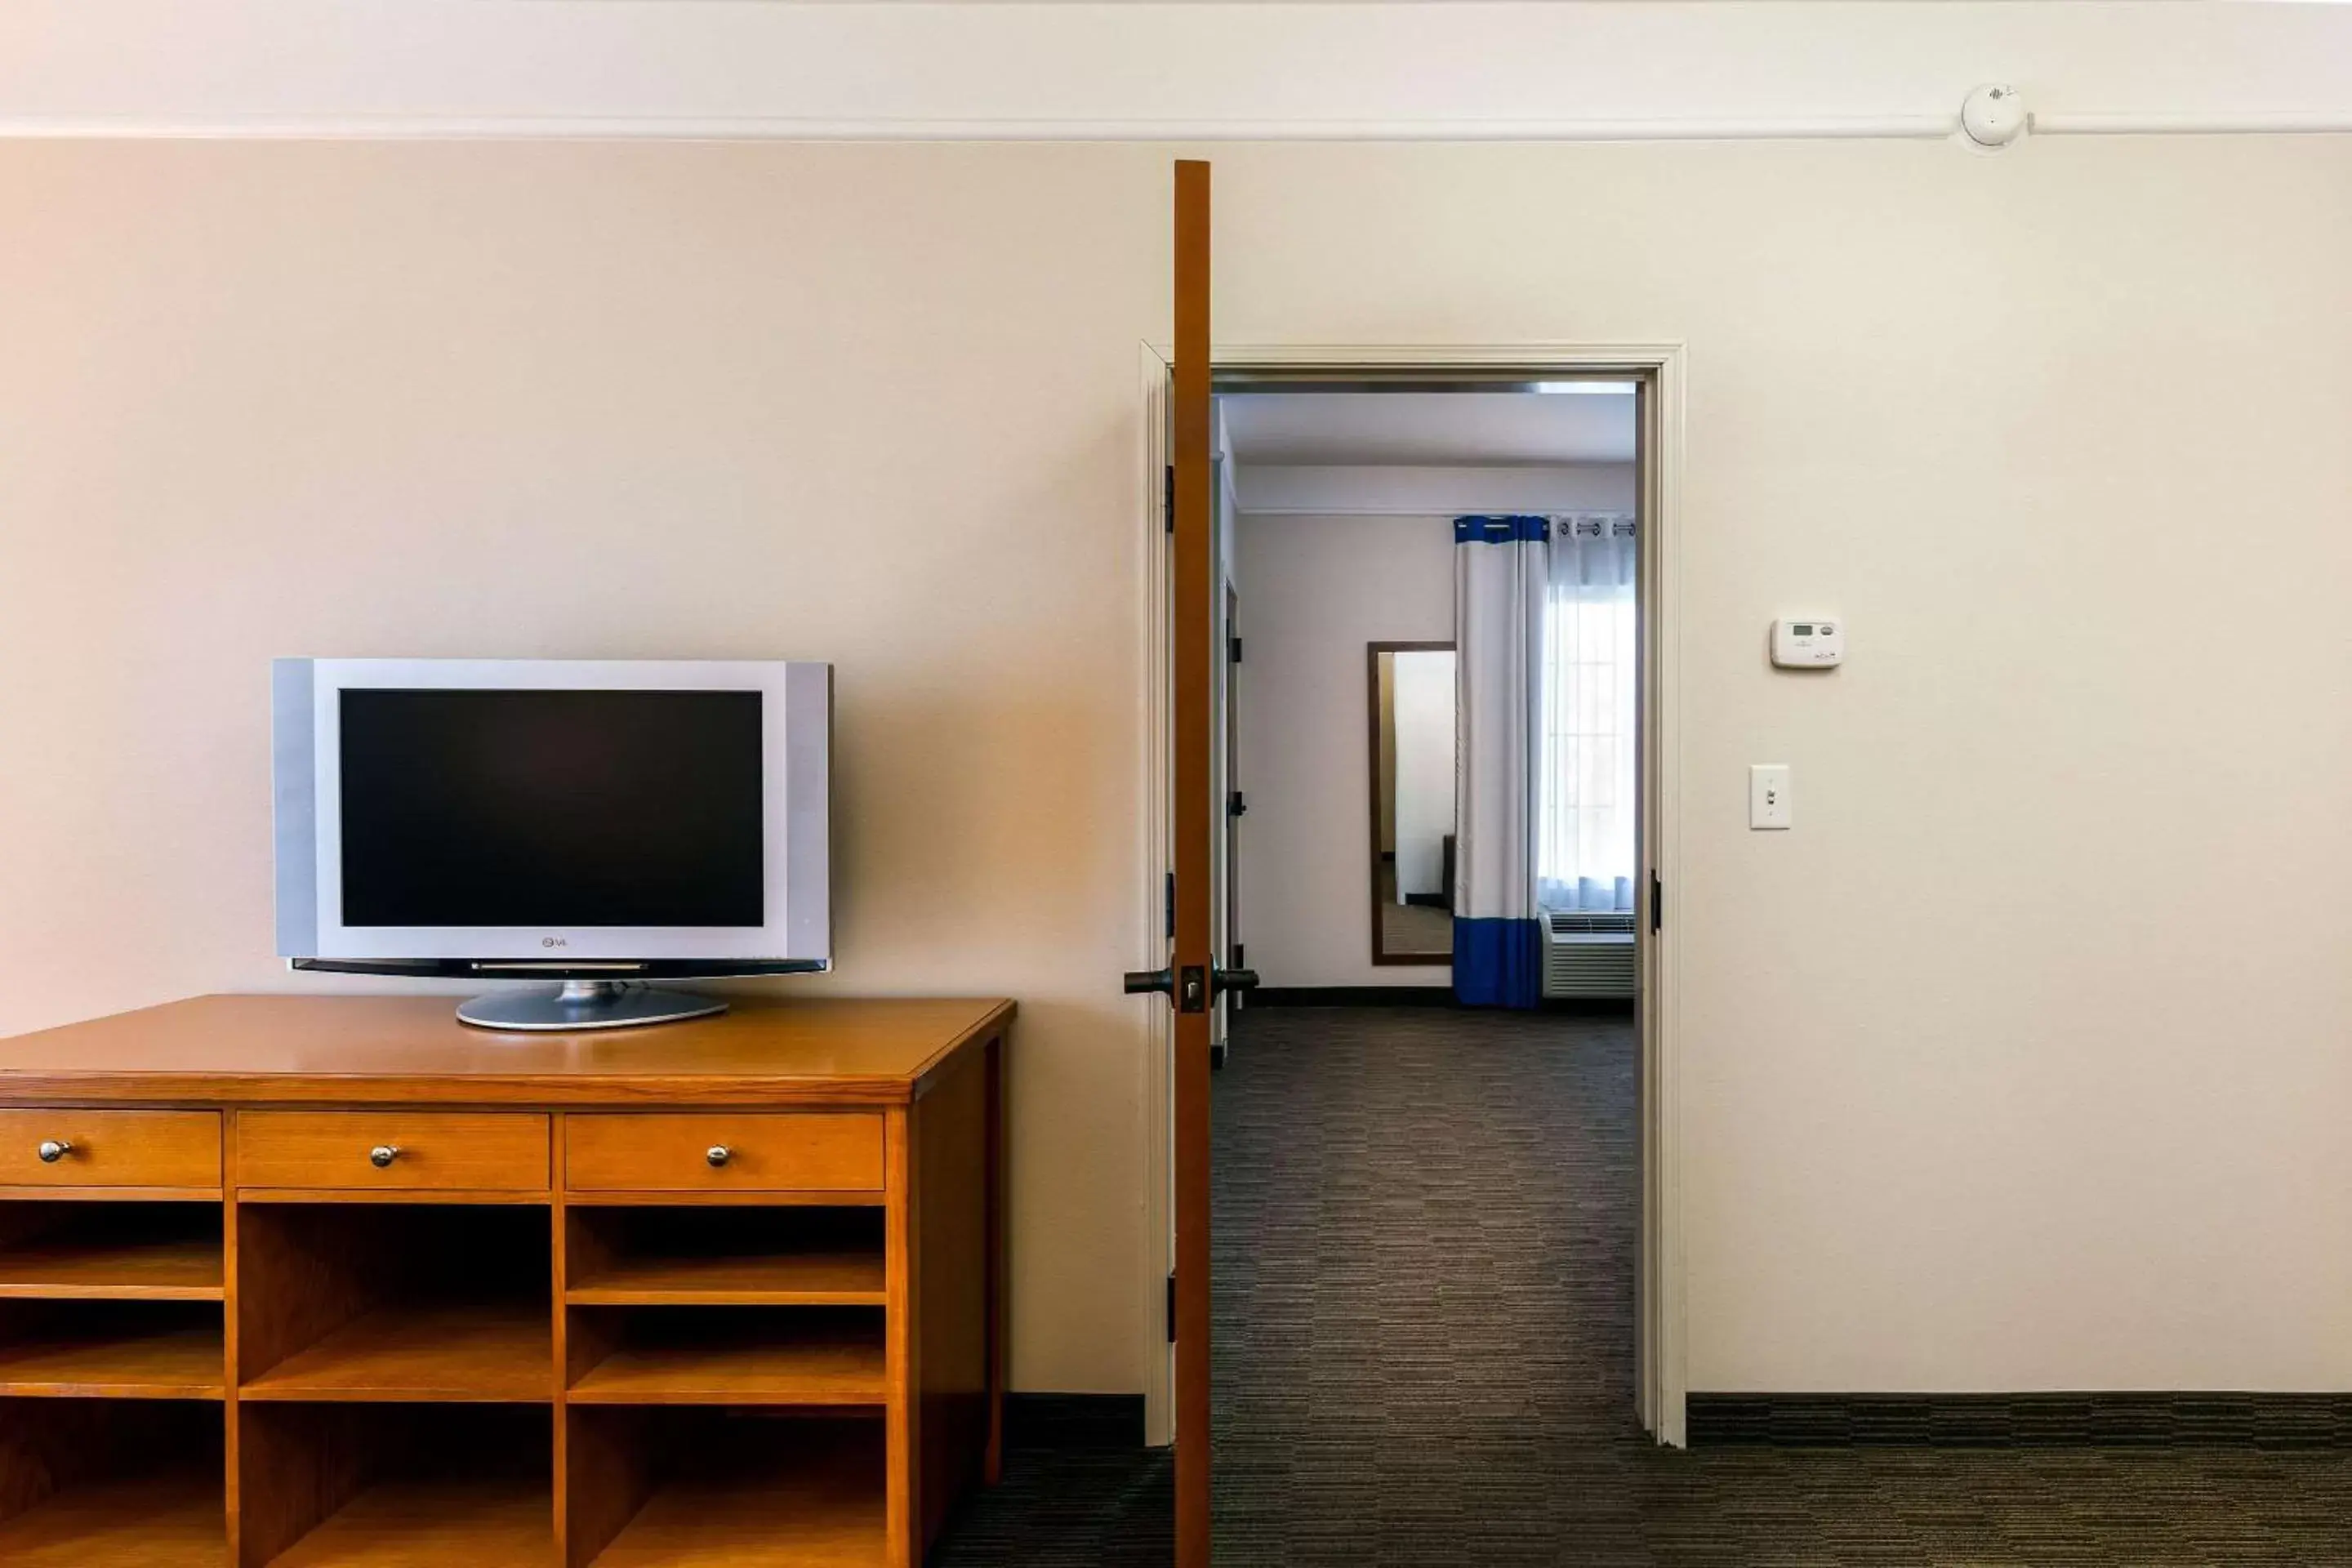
pixel 553 941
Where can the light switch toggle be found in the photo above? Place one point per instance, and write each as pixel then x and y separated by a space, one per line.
pixel 1768 807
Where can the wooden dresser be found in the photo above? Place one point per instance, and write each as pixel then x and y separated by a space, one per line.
pixel 721 1292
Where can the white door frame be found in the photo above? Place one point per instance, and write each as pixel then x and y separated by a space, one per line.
pixel 1661 1379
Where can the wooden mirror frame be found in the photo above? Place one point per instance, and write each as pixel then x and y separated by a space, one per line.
pixel 1372 651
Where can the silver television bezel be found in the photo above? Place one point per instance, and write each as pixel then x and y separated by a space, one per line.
pixel 795 739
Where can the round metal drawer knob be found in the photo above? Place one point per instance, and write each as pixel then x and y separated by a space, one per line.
pixel 718 1154
pixel 384 1154
pixel 53 1150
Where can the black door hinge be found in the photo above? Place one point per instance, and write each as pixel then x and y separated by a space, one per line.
pixel 1237 804
pixel 1172 906
pixel 1171 1308
pixel 1234 653
pixel 1170 497
pixel 1657 903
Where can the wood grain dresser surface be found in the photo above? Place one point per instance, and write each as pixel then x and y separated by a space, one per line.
pixel 358 1050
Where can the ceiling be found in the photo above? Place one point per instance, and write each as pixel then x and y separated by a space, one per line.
pixel 1431 429
pixel 1606 71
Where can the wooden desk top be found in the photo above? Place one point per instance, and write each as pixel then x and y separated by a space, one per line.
pixel 412 1050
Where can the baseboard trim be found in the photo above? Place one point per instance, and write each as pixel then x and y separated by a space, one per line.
pixel 1074 1420
pixel 2023 1420
pixel 1351 996
pixel 1414 996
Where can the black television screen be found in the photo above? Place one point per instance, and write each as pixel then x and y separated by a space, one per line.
pixel 552 808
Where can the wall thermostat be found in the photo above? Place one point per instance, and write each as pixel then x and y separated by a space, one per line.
pixel 1809 642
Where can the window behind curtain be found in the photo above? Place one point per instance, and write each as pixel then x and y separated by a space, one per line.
pixel 1585 852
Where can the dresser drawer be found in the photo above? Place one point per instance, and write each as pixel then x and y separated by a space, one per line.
pixel 392 1149
pixel 811 1150
pixel 110 1148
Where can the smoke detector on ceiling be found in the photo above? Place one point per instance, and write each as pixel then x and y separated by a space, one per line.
pixel 1993 116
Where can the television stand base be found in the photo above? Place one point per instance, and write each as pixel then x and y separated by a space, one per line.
pixel 585 1004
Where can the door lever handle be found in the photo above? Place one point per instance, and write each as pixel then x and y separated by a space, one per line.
pixel 1144 982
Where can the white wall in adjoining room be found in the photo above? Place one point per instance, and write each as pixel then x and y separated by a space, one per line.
pixel 1317 591
pixel 1335 557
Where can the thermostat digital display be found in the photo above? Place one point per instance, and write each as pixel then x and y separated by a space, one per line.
pixel 1815 642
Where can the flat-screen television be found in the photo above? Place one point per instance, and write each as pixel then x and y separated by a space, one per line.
pixel 598 823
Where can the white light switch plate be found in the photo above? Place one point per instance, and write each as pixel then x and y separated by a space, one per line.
pixel 1768 805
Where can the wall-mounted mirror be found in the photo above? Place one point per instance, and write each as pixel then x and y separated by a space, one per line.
pixel 1412 768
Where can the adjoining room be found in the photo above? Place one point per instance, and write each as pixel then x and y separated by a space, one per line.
pixel 1438 732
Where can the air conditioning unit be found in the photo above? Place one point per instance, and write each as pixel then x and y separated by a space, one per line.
pixel 1587 955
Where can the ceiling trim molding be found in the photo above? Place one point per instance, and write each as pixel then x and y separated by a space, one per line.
pixel 1465 70
pixel 429 127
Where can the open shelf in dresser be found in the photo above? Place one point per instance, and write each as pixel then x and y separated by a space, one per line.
pixel 111 1350
pixel 104 1483
pixel 393 1302
pixel 724 1488
pixel 393 1485
pixel 729 1355
pixel 727 1256
pixel 111 1251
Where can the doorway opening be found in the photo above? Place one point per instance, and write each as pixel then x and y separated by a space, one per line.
pixel 1353 509
pixel 1432 845
pixel 1431 444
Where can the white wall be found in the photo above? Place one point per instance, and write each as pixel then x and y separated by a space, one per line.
pixel 1423 685
pixel 2009 1068
pixel 1315 590
pixel 543 401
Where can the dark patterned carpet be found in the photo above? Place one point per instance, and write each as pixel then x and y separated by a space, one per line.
pixel 1424 1239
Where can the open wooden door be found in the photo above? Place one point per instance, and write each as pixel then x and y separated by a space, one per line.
pixel 1192 980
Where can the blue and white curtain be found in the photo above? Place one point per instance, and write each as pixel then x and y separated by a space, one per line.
pixel 1586 853
pixel 1501 581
